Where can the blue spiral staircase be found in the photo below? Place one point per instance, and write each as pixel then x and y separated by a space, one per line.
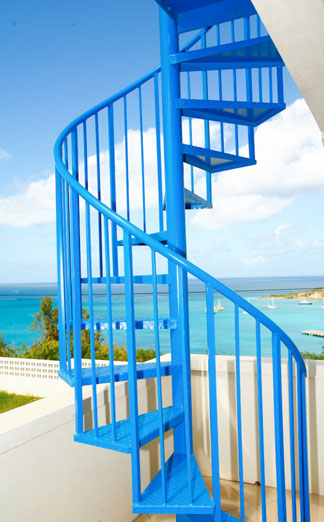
pixel 105 216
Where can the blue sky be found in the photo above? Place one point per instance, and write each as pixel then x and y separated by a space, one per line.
pixel 60 58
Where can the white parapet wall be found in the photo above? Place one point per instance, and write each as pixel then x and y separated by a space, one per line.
pixel 227 421
pixel 45 475
pixel 34 376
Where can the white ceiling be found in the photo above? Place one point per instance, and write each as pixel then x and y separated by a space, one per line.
pixel 297 29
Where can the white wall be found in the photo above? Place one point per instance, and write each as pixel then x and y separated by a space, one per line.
pixel 226 391
pixel 45 476
pixel 34 376
pixel 296 27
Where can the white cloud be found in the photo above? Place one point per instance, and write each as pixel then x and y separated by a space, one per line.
pixel 282 228
pixel 4 154
pixel 290 159
pixel 35 205
pixel 250 208
pixel 254 261
pixel 298 243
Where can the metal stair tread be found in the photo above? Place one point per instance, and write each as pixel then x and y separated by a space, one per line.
pixel 148 427
pixel 255 52
pixel 225 517
pixel 237 112
pixel 145 370
pixel 158 236
pixel 193 201
pixel 213 161
pixel 162 279
pixel 147 323
pixel 194 14
pixel 178 499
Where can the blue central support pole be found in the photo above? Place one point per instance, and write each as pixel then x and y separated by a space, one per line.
pixel 175 211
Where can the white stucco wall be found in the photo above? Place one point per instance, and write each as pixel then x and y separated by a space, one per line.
pixel 226 390
pixel 296 27
pixel 46 476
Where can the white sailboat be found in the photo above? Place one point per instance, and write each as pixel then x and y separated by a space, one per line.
pixel 272 304
pixel 219 307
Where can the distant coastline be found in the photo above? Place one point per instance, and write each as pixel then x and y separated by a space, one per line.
pixel 314 293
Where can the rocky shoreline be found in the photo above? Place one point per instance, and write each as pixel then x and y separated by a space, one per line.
pixel 314 293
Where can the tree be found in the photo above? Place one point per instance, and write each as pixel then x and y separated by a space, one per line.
pixel 47 344
pixel 5 349
pixel 46 321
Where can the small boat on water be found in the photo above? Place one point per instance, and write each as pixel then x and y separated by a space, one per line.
pixel 305 302
pixel 271 304
pixel 217 308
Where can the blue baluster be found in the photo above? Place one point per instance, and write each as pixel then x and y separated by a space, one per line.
pixel 206 125
pixel 131 353
pixel 60 271
pixel 76 286
pixel 239 409
pixel 190 134
pixel 260 422
pixel 91 320
pixel 110 330
pixel 158 375
pixel 142 157
pixel 99 194
pixel 292 435
pixel 305 456
pixel 126 158
pixel 213 400
pixel 158 149
pixel 278 418
pixel 112 179
pixel 185 356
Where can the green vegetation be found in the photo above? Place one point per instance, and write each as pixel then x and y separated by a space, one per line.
pixel 314 293
pixel 9 401
pixel 314 356
pixel 47 344
pixel 5 349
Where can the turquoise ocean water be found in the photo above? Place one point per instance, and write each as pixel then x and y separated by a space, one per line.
pixel 19 302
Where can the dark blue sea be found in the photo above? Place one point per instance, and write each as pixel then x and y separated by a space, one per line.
pixel 18 303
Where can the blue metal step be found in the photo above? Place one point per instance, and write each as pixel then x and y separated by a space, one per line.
pixel 213 161
pixel 161 279
pixel 177 491
pixel 194 14
pixel 193 201
pixel 225 517
pixel 143 371
pixel 164 323
pixel 148 426
pixel 158 236
pixel 242 113
pixel 255 52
